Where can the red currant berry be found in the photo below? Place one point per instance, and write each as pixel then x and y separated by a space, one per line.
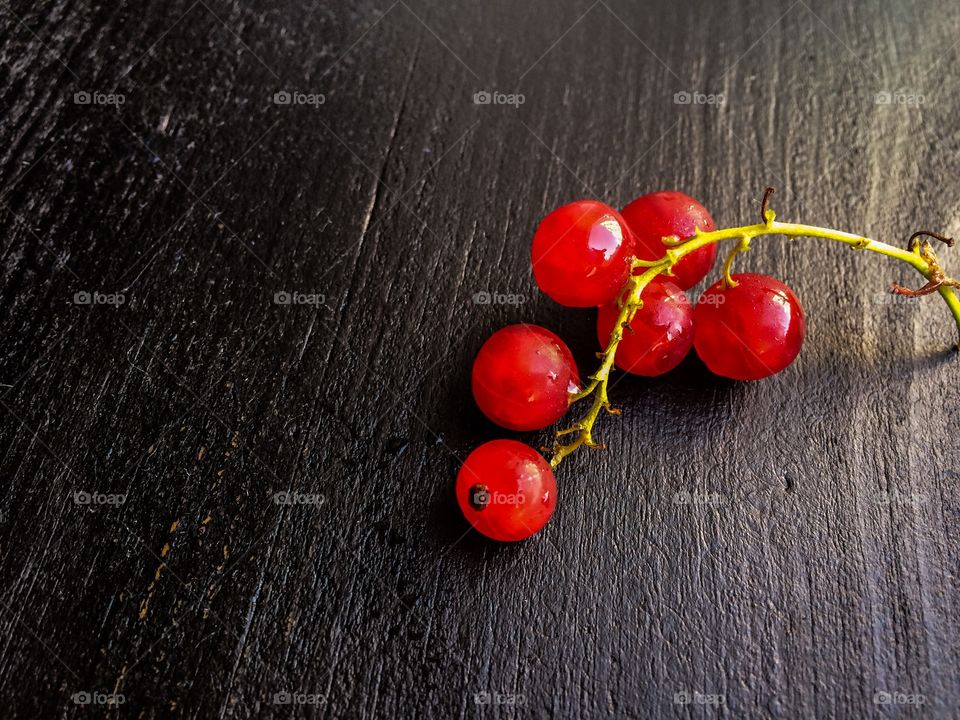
pixel 657 215
pixel 662 330
pixel 523 376
pixel 582 253
pixel 506 490
pixel 750 331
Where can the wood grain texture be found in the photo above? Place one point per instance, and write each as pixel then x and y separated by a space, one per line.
pixel 816 565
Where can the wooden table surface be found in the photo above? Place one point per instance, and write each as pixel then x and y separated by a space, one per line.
pixel 242 247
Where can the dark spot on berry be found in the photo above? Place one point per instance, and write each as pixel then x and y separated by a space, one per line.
pixel 479 497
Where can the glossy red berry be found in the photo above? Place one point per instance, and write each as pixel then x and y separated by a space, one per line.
pixel 662 330
pixel 506 490
pixel 750 331
pixel 582 253
pixel 657 215
pixel 523 376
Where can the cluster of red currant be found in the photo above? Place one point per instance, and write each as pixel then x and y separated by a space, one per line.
pixel 635 266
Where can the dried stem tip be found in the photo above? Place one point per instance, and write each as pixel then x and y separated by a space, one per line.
pixel 763 204
pixel 927 233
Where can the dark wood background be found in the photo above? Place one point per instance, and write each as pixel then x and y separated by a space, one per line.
pixel 814 572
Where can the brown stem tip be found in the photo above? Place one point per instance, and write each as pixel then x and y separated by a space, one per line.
pixel 948 241
pixel 931 287
pixel 763 203
pixel 478 496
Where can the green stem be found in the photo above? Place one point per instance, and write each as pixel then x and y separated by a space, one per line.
pixel 630 302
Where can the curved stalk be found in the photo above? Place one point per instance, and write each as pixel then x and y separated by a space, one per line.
pixel 921 257
pixel 630 302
